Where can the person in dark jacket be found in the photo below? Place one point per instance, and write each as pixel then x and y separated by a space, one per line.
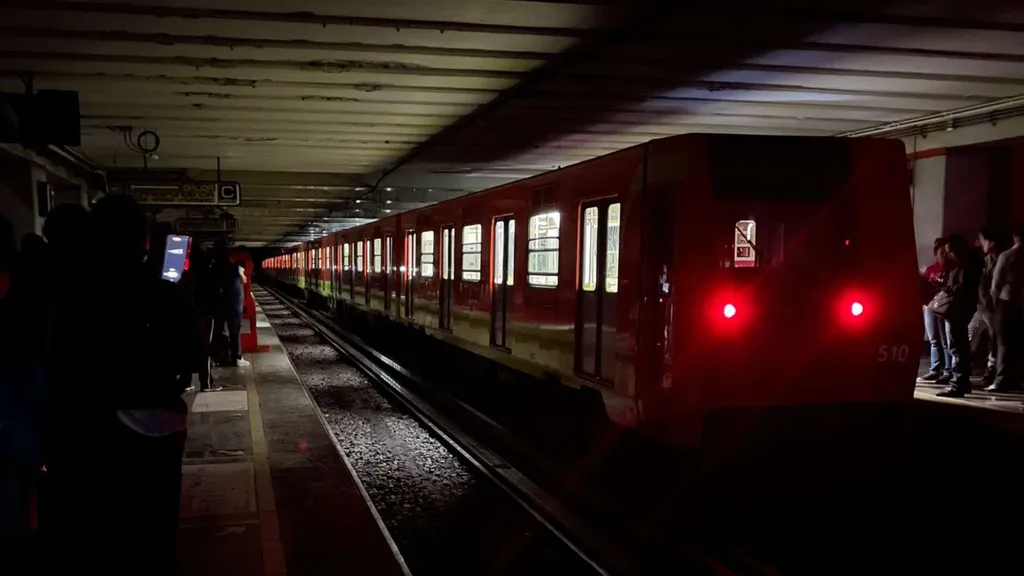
pixel 121 338
pixel 1008 293
pixel 207 299
pixel 231 282
pixel 963 276
pixel 984 320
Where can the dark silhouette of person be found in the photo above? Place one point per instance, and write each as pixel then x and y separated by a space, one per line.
pixel 122 336
pixel 965 269
pixel 231 281
pixel 207 297
pixel 65 230
pixel 21 398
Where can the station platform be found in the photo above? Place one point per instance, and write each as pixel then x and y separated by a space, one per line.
pixel 264 490
pixel 1001 412
pixel 1009 402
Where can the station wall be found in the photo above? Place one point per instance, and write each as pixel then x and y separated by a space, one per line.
pixel 962 188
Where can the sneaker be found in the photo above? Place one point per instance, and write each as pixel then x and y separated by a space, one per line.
pixel 1000 387
pixel 242 363
pixel 989 378
pixel 929 377
pixel 955 391
pixel 945 378
pixel 213 388
pixel 191 388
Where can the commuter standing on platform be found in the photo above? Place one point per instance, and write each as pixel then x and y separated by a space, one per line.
pixel 984 320
pixel 207 299
pixel 935 327
pixel 962 279
pixel 18 454
pixel 1008 292
pixel 232 302
pixel 122 337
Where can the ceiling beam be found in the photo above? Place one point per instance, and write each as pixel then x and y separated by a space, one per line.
pixel 164 39
pixel 293 18
pixel 314 66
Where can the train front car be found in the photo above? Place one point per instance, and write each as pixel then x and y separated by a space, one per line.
pixel 781 300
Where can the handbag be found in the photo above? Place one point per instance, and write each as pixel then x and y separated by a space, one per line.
pixel 940 303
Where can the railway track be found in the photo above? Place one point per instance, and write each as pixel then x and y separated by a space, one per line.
pixel 451 504
pixel 560 541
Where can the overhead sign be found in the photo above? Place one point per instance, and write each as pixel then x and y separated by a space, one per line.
pixel 185 193
pixel 206 224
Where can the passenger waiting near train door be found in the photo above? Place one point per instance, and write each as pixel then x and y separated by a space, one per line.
pixel 941 366
pixel 1008 293
pixel 963 275
pixel 984 320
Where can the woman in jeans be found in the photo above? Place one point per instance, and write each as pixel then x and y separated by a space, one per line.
pixel 940 371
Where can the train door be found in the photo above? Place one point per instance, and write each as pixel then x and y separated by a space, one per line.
pixel 447 276
pixel 366 275
pixel 352 273
pixel 410 271
pixel 317 257
pixel 503 257
pixel 597 289
pixel 387 274
pixel 338 272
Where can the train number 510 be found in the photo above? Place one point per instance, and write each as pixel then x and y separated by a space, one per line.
pixel 893 353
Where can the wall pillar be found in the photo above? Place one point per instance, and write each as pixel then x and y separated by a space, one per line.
pixel 929 198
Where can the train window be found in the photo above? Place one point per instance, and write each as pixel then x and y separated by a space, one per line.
pixel 345 256
pixel 611 263
pixel 472 247
pixel 359 256
pixel 377 255
pixel 542 250
pixel 589 256
pixel 744 254
pixel 427 254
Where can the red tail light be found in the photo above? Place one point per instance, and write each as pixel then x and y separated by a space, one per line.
pixel 856 309
pixel 729 311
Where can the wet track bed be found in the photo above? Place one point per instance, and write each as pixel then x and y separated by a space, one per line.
pixel 442 515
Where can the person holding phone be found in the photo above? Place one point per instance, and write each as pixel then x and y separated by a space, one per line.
pixel 115 383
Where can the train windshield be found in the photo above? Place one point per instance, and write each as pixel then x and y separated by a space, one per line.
pixel 786 205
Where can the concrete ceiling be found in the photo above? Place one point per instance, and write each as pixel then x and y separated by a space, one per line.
pixel 312 104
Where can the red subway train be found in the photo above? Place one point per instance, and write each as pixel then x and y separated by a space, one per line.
pixel 684 278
